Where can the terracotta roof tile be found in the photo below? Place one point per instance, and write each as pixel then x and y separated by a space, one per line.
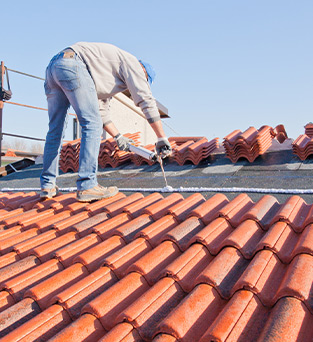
pixel 18 268
pixel 302 146
pixel 213 235
pixel 108 305
pixel 47 223
pixel 67 253
pixel 93 258
pixel 13 231
pixel 7 245
pixel 288 310
pixel 128 230
pixel 154 262
pixel 118 206
pixel 18 285
pixel 135 209
pixel 231 321
pixel 13 220
pixel 185 149
pixel 224 271
pixel 155 231
pixel 8 259
pixel 65 225
pixel 181 210
pixel 98 206
pixel 43 326
pixel 82 292
pixel 185 268
pixel 23 248
pixel 107 228
pixel 184 232
pixel 17 315
pixel 45 290
pixel 86 226
pixel 294 212
pixel 210 208
pixel 156 268
pixel 159 209
pixel 7 214
pixel 86 328
pixel 152 307
pixel 45 251
pixel 120 260
pixel 31 196
pixel 122 332
pixel 6 300
pixel 191 317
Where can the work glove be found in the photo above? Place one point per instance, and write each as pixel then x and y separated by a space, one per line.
pixel 163 147
pixel 5 94
pixel 123 142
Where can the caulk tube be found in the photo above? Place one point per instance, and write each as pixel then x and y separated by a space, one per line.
pixel 142 152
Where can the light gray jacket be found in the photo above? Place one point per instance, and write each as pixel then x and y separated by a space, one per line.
pixel 114 70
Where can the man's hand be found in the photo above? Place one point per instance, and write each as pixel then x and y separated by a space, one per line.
pixel 163 147
pixel 123 142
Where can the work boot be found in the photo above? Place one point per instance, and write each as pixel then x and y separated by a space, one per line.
pixel 96 193
pixel 49 193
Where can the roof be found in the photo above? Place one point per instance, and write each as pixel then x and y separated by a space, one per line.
pixel 142 267
pixel 161 266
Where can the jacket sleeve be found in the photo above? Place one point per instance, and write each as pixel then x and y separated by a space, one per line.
pixel 104 108
pixel 139 89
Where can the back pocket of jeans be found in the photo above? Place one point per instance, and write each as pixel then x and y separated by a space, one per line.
pixel 68 77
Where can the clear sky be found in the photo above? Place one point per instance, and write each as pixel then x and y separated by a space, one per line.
pixel 221 64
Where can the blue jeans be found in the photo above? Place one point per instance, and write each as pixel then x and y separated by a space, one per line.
pixel 68 82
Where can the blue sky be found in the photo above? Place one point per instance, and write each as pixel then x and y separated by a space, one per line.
pixel 221 64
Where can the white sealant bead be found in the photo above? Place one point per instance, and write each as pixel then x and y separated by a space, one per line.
pixel 182 189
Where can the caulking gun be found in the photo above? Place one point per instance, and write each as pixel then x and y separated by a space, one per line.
pixel 149 155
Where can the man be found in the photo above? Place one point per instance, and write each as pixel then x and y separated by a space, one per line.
pixel 86 76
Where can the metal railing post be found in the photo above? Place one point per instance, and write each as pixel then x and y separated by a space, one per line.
pixel 1 111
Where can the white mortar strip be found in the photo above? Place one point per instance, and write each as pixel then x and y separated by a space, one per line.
pixel 169 189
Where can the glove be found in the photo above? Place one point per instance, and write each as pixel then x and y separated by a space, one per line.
pixel 123 142
pixel 163 147
pixel 5 94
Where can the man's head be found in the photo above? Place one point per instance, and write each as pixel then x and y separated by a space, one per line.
pixel 149 71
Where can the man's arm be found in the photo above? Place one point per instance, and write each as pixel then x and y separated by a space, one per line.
pixel 158 129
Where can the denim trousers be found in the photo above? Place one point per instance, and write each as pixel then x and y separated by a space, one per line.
pixel 68 82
